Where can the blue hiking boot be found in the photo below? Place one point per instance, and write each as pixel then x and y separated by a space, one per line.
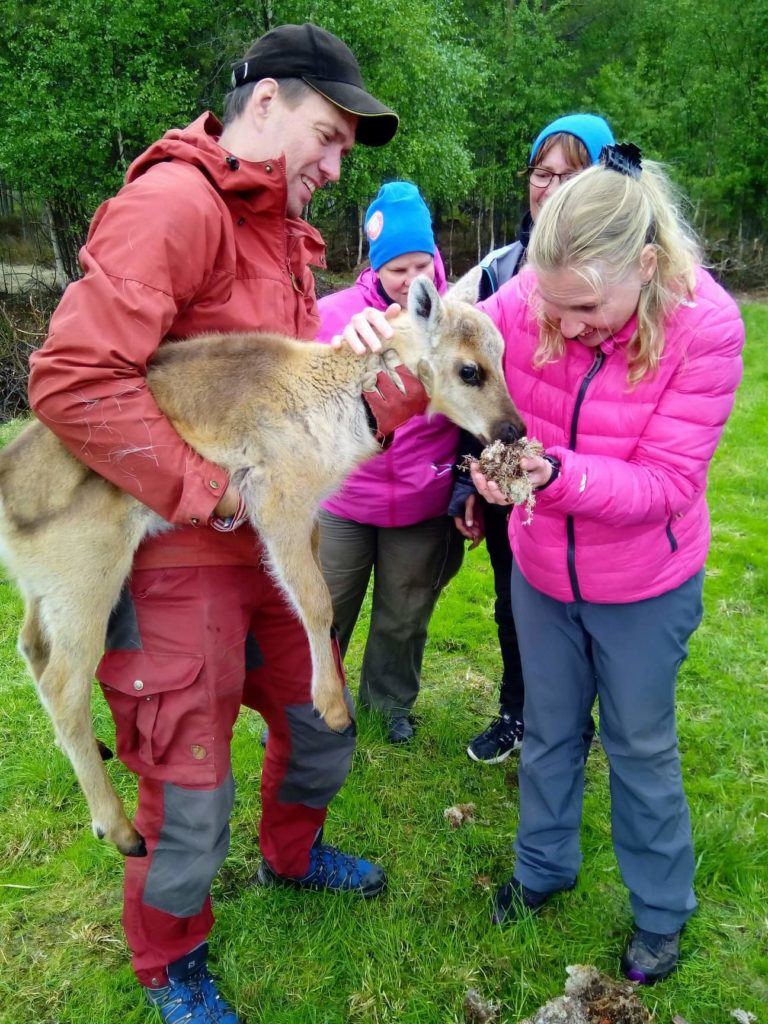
pixel 332 870
pixel 191 997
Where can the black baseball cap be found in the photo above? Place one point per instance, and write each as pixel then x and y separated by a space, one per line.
pixel 328 66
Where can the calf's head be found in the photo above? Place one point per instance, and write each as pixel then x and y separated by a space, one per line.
pixel 461 364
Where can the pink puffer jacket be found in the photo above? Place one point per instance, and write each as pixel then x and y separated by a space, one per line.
pixel 412 480
pixel 627 517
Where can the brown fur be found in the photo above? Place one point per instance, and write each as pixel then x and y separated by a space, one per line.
pixel 286 420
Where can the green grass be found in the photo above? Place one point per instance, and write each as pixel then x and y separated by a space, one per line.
pixel 295 958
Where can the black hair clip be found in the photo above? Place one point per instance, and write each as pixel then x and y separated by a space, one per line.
pixel 624 157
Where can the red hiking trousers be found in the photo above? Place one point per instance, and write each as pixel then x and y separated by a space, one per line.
pixel 186 646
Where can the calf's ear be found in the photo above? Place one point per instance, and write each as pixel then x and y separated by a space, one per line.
pixel 467 288
pixel 425 305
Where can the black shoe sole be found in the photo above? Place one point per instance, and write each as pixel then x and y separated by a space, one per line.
pixel 492 760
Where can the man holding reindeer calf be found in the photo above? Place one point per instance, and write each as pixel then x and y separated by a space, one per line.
pixel 206 236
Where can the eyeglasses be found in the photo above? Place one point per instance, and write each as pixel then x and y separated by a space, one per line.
pixel 541 177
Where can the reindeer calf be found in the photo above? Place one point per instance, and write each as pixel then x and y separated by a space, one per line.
pixel 287 421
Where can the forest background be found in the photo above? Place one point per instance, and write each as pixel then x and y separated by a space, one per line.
pixel 86 85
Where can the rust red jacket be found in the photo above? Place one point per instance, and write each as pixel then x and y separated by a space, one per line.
pixel 196 241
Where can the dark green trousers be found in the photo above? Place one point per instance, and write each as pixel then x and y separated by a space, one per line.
pixel 410 566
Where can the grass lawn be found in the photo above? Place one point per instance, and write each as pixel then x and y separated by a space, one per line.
pixel 286 957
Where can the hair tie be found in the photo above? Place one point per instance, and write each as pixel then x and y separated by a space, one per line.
pixel 624 157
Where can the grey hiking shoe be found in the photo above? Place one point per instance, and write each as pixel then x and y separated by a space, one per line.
pixel 400 730
pixel 514 900
pixel 651 956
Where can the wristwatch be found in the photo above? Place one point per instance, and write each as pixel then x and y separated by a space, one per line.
pixel 556 467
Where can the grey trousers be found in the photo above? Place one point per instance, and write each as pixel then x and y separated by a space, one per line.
pixel 410 565
pixel 628 656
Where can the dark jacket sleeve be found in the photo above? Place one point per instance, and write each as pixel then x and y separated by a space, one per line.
pixel 463 486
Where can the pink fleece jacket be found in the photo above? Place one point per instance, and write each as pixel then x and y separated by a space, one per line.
pixel 627 518
pixel 412 480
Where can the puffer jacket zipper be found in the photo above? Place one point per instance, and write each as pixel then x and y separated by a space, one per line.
pixel 569 524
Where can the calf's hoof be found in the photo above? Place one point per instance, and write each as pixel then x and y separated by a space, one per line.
pixel 130 843
pixel 139 848
pixel 337 717
pixel 104 751
pixel 133 846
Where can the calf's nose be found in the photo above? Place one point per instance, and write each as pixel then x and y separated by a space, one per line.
pixel 509 431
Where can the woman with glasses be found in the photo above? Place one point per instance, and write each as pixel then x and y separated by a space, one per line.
pixel 561 150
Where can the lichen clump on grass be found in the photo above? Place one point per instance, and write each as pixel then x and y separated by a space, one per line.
pixel 500 462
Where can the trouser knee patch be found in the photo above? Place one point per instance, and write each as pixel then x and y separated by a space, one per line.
pixel 320 758
pixel 193 842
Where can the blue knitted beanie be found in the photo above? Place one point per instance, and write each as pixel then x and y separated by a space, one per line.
pixel 396 222
pixel 590 129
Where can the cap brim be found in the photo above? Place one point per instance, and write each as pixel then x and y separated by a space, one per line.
pixel 376 124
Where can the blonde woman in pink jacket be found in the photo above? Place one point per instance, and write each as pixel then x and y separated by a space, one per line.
pixel 623 356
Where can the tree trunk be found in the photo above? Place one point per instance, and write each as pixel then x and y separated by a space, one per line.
pixel 267 14
pixel 121 151
pixel 61 276
pixel 360 233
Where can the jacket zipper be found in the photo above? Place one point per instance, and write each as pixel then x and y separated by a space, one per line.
pixel 569 524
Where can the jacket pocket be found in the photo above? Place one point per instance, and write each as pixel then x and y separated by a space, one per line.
pixel 162 715
pixel 670 535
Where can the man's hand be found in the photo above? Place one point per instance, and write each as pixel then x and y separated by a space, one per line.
pixel 393 396
pixel 230 513
pixel 228 503
pixel 366 330
pixel 471 524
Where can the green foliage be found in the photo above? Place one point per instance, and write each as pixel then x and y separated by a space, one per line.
pixel 85 85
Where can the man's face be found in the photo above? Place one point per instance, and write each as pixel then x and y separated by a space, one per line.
pixel 313 136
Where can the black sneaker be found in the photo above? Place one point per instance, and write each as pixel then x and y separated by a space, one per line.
pixel 650 956
pixel 502 736
pixel 400 730
pixel 514 900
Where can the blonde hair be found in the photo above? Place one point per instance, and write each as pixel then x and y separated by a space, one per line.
pixel 598 224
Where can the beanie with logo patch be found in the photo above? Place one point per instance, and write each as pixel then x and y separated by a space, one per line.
pixel 396 222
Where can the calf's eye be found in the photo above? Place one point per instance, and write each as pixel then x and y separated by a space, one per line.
pixel 471 374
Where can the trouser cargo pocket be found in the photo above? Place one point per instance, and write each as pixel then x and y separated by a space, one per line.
pixel 162 715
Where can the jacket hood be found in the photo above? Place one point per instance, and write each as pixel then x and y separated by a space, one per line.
pixel 198 145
